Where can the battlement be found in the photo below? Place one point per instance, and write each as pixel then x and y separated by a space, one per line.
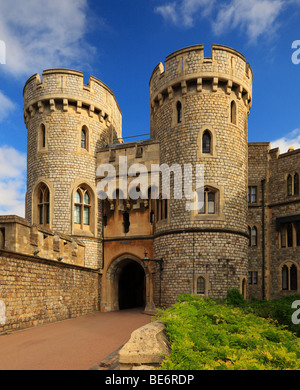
pixel 64 87
pixel 226 67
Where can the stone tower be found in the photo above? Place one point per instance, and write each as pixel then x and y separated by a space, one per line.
pixel 199 114
pixel 67 122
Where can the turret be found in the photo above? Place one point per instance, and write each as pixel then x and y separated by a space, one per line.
pixel 67 123
pixel 199 113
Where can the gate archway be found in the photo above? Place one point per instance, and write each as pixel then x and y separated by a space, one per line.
pixel 131 286
pixel 125 284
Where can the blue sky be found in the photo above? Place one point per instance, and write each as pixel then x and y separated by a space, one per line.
pixel 121 41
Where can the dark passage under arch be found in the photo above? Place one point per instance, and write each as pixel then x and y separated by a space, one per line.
pixel 132 286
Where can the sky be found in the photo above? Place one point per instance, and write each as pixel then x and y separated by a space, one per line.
pixel 121 41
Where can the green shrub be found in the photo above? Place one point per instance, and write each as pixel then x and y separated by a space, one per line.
pixel 235 298
pixel 278 310
pixel 205 335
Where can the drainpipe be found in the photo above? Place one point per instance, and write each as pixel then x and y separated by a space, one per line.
pixel 102 205
pixel 263 238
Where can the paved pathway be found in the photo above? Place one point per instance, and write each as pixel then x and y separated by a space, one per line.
pixel 75 344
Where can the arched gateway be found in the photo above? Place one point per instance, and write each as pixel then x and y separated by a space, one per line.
pixel 126 285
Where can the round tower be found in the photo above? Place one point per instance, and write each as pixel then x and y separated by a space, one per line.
pixel 67 123
pixel 199 113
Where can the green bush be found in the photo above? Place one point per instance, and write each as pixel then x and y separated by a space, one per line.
pixel 278 310
pixel 235 298
pixel 205 335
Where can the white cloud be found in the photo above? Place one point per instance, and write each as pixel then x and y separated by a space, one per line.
pixel 185 12
pixel 12 181
pixel 6 106
pixel 41 35
pixel 255 17
pixel 284 143
pixel 168 12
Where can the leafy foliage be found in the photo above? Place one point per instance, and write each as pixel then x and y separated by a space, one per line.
pixel 206 335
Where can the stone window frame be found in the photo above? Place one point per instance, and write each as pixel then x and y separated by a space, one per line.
pixel 206 284
pixel 162 210
pixel 288 265
pixel 252 277
pixel 175 122
pixel 213 138
pixel 82 204
pixel 295 237
pixel 81 229
pixel 42 138
pixel 250 232
pixel 35 202
pixel 250 202
pixel 219 204
pixel 294 190
pixel 84 128
pixel 233 114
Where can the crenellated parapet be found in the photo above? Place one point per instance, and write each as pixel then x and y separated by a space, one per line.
pixel 61 88
pixel 188 70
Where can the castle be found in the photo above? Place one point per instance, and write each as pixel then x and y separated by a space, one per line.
pixel 75 253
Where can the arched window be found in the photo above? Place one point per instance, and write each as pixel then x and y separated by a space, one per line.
pixel 179 112
pixel 206 142
pixel 289 185
pixel 82 207
pixel 161 208
pixel 296 184
pixel 207 202
pixel 233 112
pixel 43 205
pixel 200 285
pixel 254 236
pixel 42 137
pixel 293 277
pixel 289 277
pixel 285 277
pixel 84 138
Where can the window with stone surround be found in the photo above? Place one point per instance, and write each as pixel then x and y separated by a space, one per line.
pixel 252 277
pixel 162 206
pixel 179 112
pixel 289 277
pixel 206 142
pixel 200 285
pixel 289 234
pixel 233 112
pixel 292 183
pixel 207 201
pixel 252 232
pixel 252 194
pixel 82 207
pixel 42 137
pixel 84 137
pixel 289 185
pixel 43 205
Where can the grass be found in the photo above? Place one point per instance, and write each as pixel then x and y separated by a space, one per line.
pixel 206 335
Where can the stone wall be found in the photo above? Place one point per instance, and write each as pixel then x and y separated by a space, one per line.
pixel 17 235
pixel 36 291
pixel 269 164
